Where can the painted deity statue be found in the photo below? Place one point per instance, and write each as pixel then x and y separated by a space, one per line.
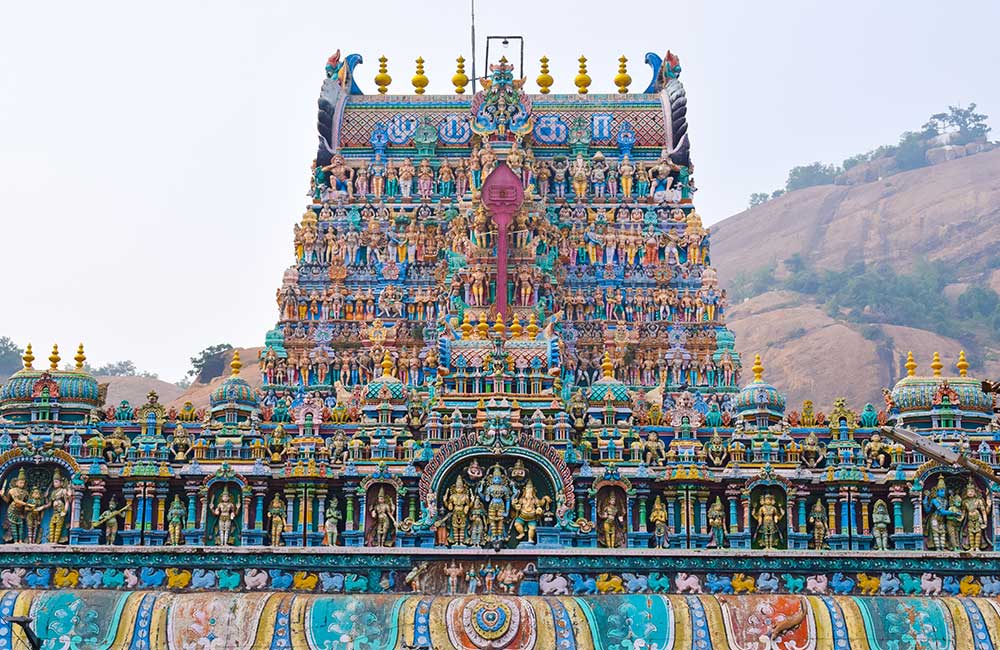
pixel 717 523
pixel 477 524
pixel 974 507
pixel 383 520
pixel 16 497
pixel 937 511
pixel 109 519
pixel 175 521
pixel 767 514
pixel 496 492
pixel 528 508
pixel 880 526
pixel 276 516
pixel 458 501
pixel 819 525
pixel 658 517
pixel 225 510
pixel 331 526
pixel 612 518
pixel 953 524
pixel 60 499
pixel 34 512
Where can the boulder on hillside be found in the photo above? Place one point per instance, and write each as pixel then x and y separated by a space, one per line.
pixel 938 155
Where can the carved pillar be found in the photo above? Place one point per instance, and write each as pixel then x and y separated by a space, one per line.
pixel 260 493
pixel 162 491
pixel 320 509
pixel 671 498
pixel 289 510
pixel 349 512
pixel 831 508
pixel 247 510
pixel 865 524
pixel 918 513
pixel 803 519
pixel 642 512
pixel 746 511
pixel 702 513
pixel 96 492
pixel 733 519
pixel 191 489
pixel 128 492
pixel 896 494
pixel 74 515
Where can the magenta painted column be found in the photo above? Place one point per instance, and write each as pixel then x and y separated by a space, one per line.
pixel 502 195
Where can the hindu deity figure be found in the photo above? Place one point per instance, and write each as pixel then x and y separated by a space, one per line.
pixel 953 524
pixel 717 524
pixel 453 571
pixel 560 172
pixel 461 178
pixel 497 493
pixel 377 175
pixel 880 526
pixel 331 524
pixel 391 180
pixel 812 450
pixel 612 519
pixel 33 514
pixel 817 517
pixel 458 501
pixel 425 180
pixel 446 179
pixel 598 175
pixel 406 173
pixel 938 511
pixel 654 449
pixel 974 507
pixel 580 176
pixel 528 508
pixel 488 159
pixel 626 173
pixel 225 510
pixel 60 498
pixel 175 521
pixel 109 519
pixel 477 523
pixel 383 520
pixel 181 442
pixel 276 515
pixel 877 452
pixel 475 170
pixel 658 517
pixel 768 514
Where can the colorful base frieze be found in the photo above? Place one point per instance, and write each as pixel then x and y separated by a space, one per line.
pixel 139 620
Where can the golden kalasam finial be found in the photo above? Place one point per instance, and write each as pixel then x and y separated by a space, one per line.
pixel 582 79
pixel 532 326
pixel 54 357
pixel 544 79
pixel 962 365
pixel 382 79
pixel 622 79
pixel 386 364
pixel 757 369
pixel 515 327
pixel 607 368
pixel 498 326
pixel 419 80
pixel 460 80
pixel 466 326
pixel 483 328
pixel 80 357
pixel 911 365
pixel 28 357
pixel 936 364
pixel 235 364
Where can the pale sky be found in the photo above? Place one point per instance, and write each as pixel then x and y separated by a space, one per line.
pixel 153 157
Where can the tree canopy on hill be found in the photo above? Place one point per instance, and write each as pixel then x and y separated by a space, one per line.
pixel 10 356
pixel 209 363
pixel 963 125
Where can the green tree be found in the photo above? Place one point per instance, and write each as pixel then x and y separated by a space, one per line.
pixel 912 151
pixel 978 302
pixel 776 193
pixel 966 122
pixel 809 175
pixel 209 363
pixel 10 356
pixel 758 198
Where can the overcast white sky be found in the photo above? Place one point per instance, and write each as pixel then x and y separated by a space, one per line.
pixel 153 157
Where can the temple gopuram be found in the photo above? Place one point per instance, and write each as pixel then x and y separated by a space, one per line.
pixel 501 408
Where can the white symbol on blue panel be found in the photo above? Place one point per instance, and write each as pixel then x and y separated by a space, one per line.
pixel 455 129
pixel 401 129
pixel 550 129
pixel 601 126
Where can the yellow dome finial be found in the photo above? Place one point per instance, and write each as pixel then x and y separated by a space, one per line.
pixel 382 79
pixel 757 369
pixel 515 327
pixel 466 326
pixel 936 364
pixel 544 79
pixel 532 326
pixel 460 80
pixel 607 368
pixel 582 79
pixel 483 328
pixel 498 326
pixel 235 364
pixel 386 364
pixel 622 79
pixel 419 80
pixel 28 358
pixel 962 365
pixel 911 365
pixel 80 357
pixel 54 357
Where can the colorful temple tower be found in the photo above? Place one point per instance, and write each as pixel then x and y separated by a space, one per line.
pixel 500 370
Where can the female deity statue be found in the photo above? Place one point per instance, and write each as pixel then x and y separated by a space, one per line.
pixel 425 180
pixel 377 175
pixel 458 501
pixel 175 521
pixel 768 513
pixel 642 181
pixel 488 159
pixel 612 519
pixel 60 498
pixel 475 170
pixel 544 177
pixel 406 173
pixel 496 492
pixel 225 509
pixel 528 507
pixel 276 516
pixel 383 520
pixel 818 520
pixel 717 524
pixel 953 524
pixel 361 182
pixel 515 159
pixel 598 175
pixel 626 172
pixel 331 526
pixel 974 507
pixel 391 180
pixel 446 179
pixel 880 526
pixel 658 517
pixel 477 524
pixel 461 178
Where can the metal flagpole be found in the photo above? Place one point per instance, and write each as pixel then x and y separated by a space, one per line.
pixel 473 6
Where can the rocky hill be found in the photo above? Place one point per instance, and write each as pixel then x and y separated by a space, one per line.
pixel 947 214
pixel 199 392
